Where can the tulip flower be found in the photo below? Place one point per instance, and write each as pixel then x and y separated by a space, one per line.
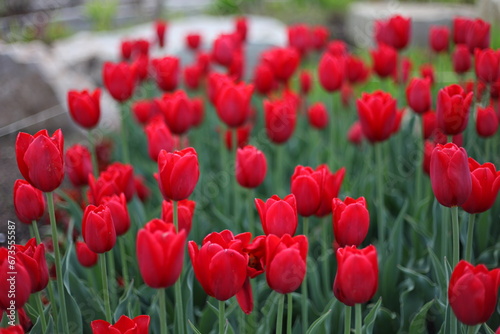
pixel 40 159
pixel 439 38
pixel 224 47
pixel 117 205
pixel 337 48
pixel 278 216
pixel 193 41
pixel 251 166
pixel 319 37
pixel 33 258
pixel 178 173
pixel 160 253
pixel 329 189
pixel 351 221
pixel 185 212
pixel 385 59
pixel 426 161
pixel 306 186
pixel 461 59
pixel 98 229
pixel 233 104
pixel 263 78
pixel 401 73
pixel 283 61
pixel 17 329
pixel 331 72
pixel 355 133
pixel 460 29
pixel 84 107
pixel 216 82
pixel 450 175
pixel 85 256
pixel 192 76
pixel 418 95
pixel 377 115
pixel 473 292
pixel 286 259
pixel 241 27
pixel 318 116
pixel 119 79
pixel 299 38
pixel 429 124
pixel 220 265
pixel 29 202
pixel 124 325
pixel 178 111
pixel 486 121
pixel 280 119
pixel 159 138
pixel 357 275
pixel 78 165
pixel 161 28
pixel 306 80
pixel 485 186
pixel 242 136
pixel 453 109
pixel 487 65
pixel 143 110
pixel 394 32
pixel 166 73
pixel 117 178
pixel 356 70
pixel 198 111
pixel 19 279
pixel 478 35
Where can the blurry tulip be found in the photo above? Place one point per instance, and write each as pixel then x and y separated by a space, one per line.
pixel 318 115
pixel 439 38
pixel 159 138
pixel 242 136
pixel 356 70
pixel 305 185
pixel 241 27
pixel 29 202
pixel 161 27
pixel 143 192
pixel 117 205
pixel 198 110
pixel 418 95
pixel 263 79
pixel 429 124
pixel 278 216
pixel 453 109
pixel 280 119
pixel 319 37
pixel 192 76
pixel 306 81
pixel 85 256
pixel 330 188
pixel 98 229
pixel 143 110
pixel 178 173
pixel 487 65
pixel 185 212
pixel 427 72
pixel 385 60
pixel 119 79
pixel 84 107
pixel 224 47
pixel 461 59
pixel 426 161
pixel 460 29
pixel 33 258
pixel 337 48
pixel 331 72
pixel 395 31
pixel 283 62
pixel 377 115
pixel 78 165
pixel 299 38
pixel 251 167
pixel 355 133
pixel 193 41
pixel 233 104
pixel 486 121
pixel 166 73
pixel 478 35
pixel 178 112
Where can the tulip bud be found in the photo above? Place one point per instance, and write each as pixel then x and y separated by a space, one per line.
pixel 166 73
pixel 384 60
pixel 351 221
pixel 278 216
pixel 377 115
pixel 78 165
pixel 453 109
pixel 84 107
pixel 251 167
pixel 159 138
pixel 418 95
pixel 306 187
pixel 318 115
pixel 439 38
pixel 119 79
pixel 85 256
pixel 29 203
pixel 98 229
pixel 178 173
pixel 485 186
pixel 486 121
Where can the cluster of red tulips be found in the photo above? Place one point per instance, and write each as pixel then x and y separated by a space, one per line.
pixel 129 209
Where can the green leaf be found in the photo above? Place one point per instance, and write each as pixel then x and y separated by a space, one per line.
pixel 315 326
pixel 195 330
pixel 418 323
pixel 75 324
pixel 128 304
pixel 488 329
pixel 370 318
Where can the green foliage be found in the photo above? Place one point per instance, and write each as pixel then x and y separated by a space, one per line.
pixel 101 13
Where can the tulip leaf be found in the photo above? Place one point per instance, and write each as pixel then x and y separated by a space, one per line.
pixel 315 326
pixel 75 324
pixel 439 272
pixel 193 327
pixel 418 323
pixel 370 318
pixel 488 329
pixel 128 304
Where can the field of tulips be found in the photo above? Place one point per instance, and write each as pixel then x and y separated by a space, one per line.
pixel 334 191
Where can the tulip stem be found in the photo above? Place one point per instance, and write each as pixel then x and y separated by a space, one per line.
pixel 251 221
pixel 222 316
pixel 289 314
pixel 123 134
pixel 380 194
pixel 163 311
pixel 234 133
pixel 179 309
pixel 279 316
pixel 305 313
pixel 40 312
pixel 326 269
pixel 357 315
pixel 279 168
pixel 57 255
pixel 471 329
pixel 456 236
pixel 93 154
pixel 35 231
pixel 175 218
pixel 347 319
pixel 470 238
pixel 105 290
pixel 112 274
pixel 123 258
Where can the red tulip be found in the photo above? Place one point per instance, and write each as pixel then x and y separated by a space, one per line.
pixel 159 247
pixel 439 38
pixel 283 61
pixel 330 188
pixel 263 78
pixel 278 216
pixel 117 206
pixel 429 124
pixel 241 27
pixel 487 63
pixel 251 167
pixel 143 110
pixel 166 73
pixel 233 104
pixel 203 60
pixel 357 275
pixel 198 110
pixel 418 95
pixel 119 80
pixel 185 212
pixel 485 186
pixel 40 159
pixel 318 115
pixel 426 161
pixel 178 173
pixel 126 49
pixel 178 112
pixel 385 60
pixel 161 27
pixel 427 72
pixel 337 48
pixel 460 29
pixel 299 38
pixel 117 178
pixel 143 192
pixel 331 72
pixel 450 175
pixel 486 121
pixel 85 256
pixel 216 82
pixel 356 70
pixel 220 265
pixel 461 59
pixel 394 32
pixel 193 41
pixel 84 107
pixel 78 165
pixel 286 259
pixel 280 119
pixel 33 258
pixel 192 76
pixel 306 187
pixel 355 133
pixel 15 285
pixel 98 229
pixel 224 47
pixel 453 109
pixel 306 81
pixel 159 138
pixel 377 115
pixel 473 292
pixel 351 221
pixel 124 325
pixel 242 136
pixel 18 329
pixel 319 37
pixel 29 203
pixel 478 35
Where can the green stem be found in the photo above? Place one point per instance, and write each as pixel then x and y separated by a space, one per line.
pixel 470 238
pixel 326 247
pixel 444 232
pixel 471 329
pixel 358 314
pixel 123 134
pixel 456 236
pixel 305 310
pixel 93 154
pixel 333 132
pixel 279 169
pixel 57 255
pixel 179 309
pixel 105 290
pixel 222 316
pixel 163 311
pixel 40 312
pixel 279 316
pixel 289 314
pixel 223 163
pixel 35 232
pixel 112 275
pixel 236 199
pixel 250 208
pixel 380 194
pixel 123 258
pixel 347 319
pixel 174 215
pixel 52 297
